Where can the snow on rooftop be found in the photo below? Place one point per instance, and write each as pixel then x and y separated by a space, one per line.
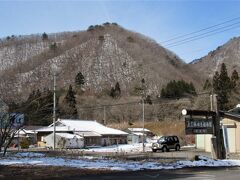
pixel 87 125
pixel 138 133
pixel 58 129
pixel 89 134
pixel 69 136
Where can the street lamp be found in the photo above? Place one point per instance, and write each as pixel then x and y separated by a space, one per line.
pixel 54 110
pixel 143 109
pixel 54 69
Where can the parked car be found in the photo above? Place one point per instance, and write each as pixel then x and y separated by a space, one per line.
pixel 165 143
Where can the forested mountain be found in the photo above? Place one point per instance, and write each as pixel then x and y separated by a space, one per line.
pixel 104 54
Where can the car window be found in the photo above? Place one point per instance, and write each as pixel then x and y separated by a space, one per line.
pixel 175 138
pixel 162 139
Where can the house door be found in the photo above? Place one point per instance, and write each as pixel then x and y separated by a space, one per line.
pixel 232 139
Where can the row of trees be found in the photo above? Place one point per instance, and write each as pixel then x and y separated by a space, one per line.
pixel 177 89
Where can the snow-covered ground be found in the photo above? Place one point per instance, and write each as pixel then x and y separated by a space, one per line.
pixel 122 148
pixel 88 162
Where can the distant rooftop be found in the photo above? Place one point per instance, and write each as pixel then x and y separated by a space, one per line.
pixel 138 130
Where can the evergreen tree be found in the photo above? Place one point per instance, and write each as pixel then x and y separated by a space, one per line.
pixel 176 89
pixel 222 87
pixel 207 85
pixel 234 78
pixel 44 36
pixel 115 91
pixel 70 97
pixel 53 46
pixel 112 92
pixel 79 79
pixel 192 89
pixel 163 93
pixel 71 110
pixel 215 82
pixel 148 100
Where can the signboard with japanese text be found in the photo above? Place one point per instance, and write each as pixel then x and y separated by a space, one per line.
pixel 198 125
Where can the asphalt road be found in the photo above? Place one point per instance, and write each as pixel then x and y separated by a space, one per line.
pixel 180 174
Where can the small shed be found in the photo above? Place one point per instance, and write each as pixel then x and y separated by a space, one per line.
pixel 65 141
pixel 134 138
pixel 136 135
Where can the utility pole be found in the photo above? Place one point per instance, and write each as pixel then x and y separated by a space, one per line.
pixel 217 132
pixel 104 114
pixel 211 102
pixel 143 118
pixel 54 110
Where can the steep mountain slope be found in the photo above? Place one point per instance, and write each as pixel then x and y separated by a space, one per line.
pixel 104 54
pixel 228 53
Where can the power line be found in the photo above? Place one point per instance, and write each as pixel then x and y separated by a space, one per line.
pixel 202 37
pixel 209 27
pixel 128 103
pixel 199 35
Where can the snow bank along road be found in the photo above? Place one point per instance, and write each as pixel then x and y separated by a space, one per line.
pixel 88 162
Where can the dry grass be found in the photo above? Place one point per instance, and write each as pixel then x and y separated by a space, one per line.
pixel 158 128
pixel 162 128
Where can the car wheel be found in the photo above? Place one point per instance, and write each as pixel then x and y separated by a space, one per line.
pixel 154 150
pixel 177 148
pixel 164 149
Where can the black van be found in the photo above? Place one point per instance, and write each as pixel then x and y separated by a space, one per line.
pixel 165 143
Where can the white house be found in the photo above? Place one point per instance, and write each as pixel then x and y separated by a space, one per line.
pixel 65 140
pixel 136 135
pixel 94 133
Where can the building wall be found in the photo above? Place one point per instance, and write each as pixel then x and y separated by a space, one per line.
pixel 232 139
pixel 233 135
pixel 238 137
pixel 92 141
pixel 203 141
pixel 113 140
pixel 200 141
pixel 64 143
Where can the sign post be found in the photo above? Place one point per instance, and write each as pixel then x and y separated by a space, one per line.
pixel 205 122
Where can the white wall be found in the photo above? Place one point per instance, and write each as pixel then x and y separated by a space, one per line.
pixel 62 142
